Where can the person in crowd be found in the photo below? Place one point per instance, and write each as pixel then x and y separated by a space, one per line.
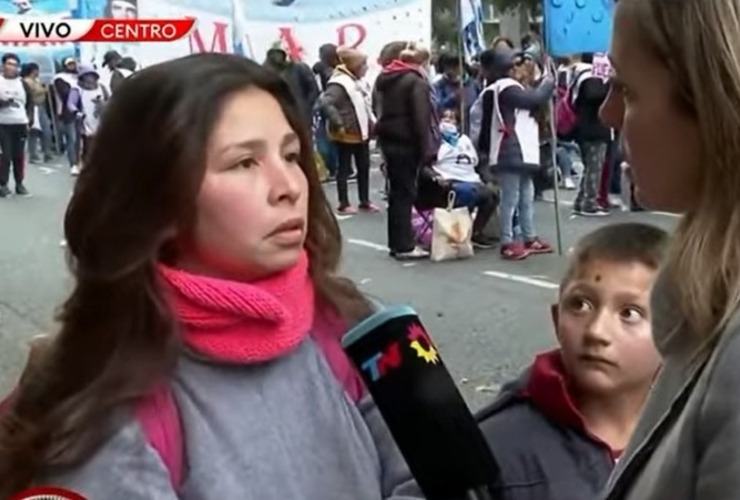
pixel 347 104
pixel 675 95
pixel 86 101
pixel 41 131
pixel 593 138
pixel 454 91
pixel 206 267
pixel 109 70
pixel 16 117
pixel 507 136
pixel 328 61
pixel 298 76
pixel 323 69
pixel 128 66
pixel 408 136
pixel 558 430
pixel 456 169
pixel 63 83
pixel 502 42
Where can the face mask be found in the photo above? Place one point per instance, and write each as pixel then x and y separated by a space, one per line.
pixel 449 132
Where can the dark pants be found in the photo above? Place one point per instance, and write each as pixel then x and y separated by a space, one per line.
pixel 594 156
pixel 361 153
pixel 12 142
pixel 85 145
pixel 403 170
pixel 476 195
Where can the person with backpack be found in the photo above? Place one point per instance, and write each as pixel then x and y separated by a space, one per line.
pixel 199 353
pixel 508 140
pixel 587 95
pixel 87 100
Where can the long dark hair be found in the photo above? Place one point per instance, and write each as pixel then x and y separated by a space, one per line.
pixel 118 335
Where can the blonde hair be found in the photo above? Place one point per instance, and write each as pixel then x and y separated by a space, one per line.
pixel 699 42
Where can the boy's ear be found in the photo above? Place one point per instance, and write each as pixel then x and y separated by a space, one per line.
pixel 555 315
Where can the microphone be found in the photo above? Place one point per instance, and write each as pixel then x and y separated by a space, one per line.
pixel 424 411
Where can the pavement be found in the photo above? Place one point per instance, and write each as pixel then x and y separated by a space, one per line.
pixel 488 317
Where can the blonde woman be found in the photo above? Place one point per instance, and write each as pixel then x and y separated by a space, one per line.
pixel 676 97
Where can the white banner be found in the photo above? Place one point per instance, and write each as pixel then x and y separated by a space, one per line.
pixel 471 16
pixel 302 26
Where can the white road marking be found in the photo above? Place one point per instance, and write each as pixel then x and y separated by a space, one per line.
pixel 343 217
pixel 368 244
pixel 47 170
pixel 527 280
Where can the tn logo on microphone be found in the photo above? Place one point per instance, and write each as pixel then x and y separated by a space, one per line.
pixel 391 357
pixel 48 493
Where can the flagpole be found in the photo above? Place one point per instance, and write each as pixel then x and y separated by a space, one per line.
pixel 553 145
pixel 461 52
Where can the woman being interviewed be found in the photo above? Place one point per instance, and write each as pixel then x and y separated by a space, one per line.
pixel 205 258
pixel 676 97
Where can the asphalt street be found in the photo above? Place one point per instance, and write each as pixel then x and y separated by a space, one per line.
pixel 487 316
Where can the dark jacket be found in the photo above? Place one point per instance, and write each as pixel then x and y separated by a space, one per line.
pixel 336 105
pixel 540 441
pixel 591 95
pixel 62 88
pixel 407 121
pixel 301 81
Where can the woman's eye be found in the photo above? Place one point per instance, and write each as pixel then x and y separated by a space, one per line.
pixel 631 314
pixel 293 157
pixel 245 163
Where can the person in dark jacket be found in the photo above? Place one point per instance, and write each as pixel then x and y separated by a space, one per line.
pixel 328 60
pixel 558 430
pixel 323 69
pixel 299 78
pixel 347 104
pixel 62 83
pixel 593 137
pixel 506 133
pixel 408 136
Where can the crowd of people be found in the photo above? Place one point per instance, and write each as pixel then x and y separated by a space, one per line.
pixel 199 356
pixel 40 119
pixel 480 130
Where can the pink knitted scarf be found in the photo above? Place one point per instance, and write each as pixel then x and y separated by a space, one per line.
pixel 243 322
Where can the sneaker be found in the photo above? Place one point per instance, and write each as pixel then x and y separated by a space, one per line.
pixel 369 208
pixel 347 210
pixel 4 191
pixel 538 246
pixel 514 251
pixel 480 241
pixel 21 190
pixel 591 212
pixel 416 254
pixel 74 171
pixel 569 184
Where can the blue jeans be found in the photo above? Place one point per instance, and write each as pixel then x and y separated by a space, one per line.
pixel 43 135
pixel 517 195
pixel 327 149
pixel 565 154
pixel 71 135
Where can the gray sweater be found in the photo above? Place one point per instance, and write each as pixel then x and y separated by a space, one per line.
pixel 282 430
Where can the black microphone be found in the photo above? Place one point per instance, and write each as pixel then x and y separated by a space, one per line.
pixel 418 399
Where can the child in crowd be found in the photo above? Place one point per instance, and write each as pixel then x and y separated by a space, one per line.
pixel 558 431
pixel 456 170
pixel 86 102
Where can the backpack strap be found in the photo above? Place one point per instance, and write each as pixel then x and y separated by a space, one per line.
pixel 159 418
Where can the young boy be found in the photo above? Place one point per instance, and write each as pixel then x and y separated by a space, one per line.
pixel 558 431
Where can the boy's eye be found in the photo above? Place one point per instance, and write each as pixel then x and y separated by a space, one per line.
pixel 579 304
pixel 631 314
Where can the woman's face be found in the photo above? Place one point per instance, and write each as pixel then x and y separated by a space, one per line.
pixel 661 141
pixel 252 208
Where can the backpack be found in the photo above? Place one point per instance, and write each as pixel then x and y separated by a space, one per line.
pixel 159 416
pixel 566 117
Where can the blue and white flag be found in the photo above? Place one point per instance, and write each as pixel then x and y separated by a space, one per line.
pixel 471 20
pixel 239 30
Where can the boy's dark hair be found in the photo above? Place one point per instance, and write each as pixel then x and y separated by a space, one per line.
pixel 29 68
pixel 625 242
pixel 8 56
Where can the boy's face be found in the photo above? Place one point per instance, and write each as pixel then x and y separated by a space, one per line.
pixel 603 326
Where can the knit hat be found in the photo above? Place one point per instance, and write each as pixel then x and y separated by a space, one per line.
pixel 353 59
